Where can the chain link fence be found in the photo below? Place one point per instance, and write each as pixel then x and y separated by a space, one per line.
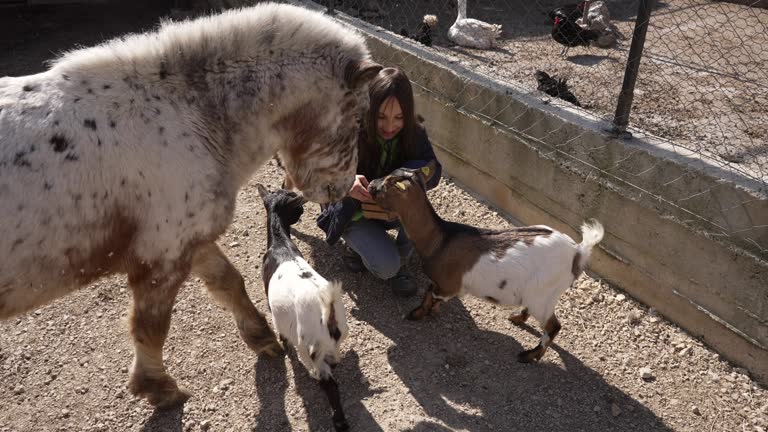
pixel 693 73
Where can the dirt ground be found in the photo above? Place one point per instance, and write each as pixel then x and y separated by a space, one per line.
pixel 64 367
pixel 702 81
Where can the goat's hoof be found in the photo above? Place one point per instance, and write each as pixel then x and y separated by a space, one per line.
pixel 340 425
pixel 160 392
pixel 529 356
pixel 415 315
pixel 273 349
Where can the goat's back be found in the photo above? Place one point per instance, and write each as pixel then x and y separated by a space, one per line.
pixel 308 311
pixel 533 272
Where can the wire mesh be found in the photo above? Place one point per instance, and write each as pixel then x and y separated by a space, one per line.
pixel 701 87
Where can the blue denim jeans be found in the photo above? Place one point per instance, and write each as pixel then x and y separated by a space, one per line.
pixel 380 255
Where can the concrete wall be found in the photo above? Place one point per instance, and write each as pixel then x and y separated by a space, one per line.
pixel 564 167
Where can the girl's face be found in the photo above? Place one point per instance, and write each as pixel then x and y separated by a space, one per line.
pixel 389 122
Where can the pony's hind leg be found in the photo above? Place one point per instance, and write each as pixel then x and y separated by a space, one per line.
pixel 150 318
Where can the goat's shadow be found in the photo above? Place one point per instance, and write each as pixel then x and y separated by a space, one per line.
pixel 272 384
pixel 165 420
pixel 468 377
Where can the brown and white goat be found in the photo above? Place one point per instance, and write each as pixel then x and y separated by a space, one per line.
pixel 128 157
pixel 528 266
pixel 299 299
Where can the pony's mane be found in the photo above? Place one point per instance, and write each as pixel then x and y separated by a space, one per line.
pixel 235 34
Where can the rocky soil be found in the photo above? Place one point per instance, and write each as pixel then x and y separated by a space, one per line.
pixel 616 365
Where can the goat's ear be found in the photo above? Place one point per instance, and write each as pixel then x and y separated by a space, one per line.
pixel 427 171
pixel 262 190
pixel 357 73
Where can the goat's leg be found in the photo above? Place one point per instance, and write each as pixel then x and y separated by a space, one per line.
pixel 150 319
pixel 520 317
pixel 331 390
pixel 551 329
pixel 227 287
pixel 429 304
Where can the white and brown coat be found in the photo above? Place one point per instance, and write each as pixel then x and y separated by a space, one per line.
pixel 528 266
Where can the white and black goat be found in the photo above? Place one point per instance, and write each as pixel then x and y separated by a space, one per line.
pixel 300 299
pixel 527 266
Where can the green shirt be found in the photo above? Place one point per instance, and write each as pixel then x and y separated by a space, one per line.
pixel 389 152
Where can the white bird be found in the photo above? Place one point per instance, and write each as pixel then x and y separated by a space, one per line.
pixel 473 33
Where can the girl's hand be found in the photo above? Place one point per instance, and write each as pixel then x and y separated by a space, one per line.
pixel 359 190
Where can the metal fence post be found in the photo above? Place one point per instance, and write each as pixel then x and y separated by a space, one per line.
pixel 624 104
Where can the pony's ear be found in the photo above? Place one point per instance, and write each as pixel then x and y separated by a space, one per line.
pixel 357 73
pixel 262 190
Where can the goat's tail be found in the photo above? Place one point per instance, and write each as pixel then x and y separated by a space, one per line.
pixel 591 234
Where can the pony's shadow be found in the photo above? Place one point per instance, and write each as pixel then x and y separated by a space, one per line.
pixel 468 377
pixel 165 420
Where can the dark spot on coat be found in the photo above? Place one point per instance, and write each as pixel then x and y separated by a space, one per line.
pixel 503 284
pixel 493 300
pixel 55 122
pixel 65 77
pixel 90 123
pixel 98 142
pixel 47 186
pixel 106 87
pixel 28 88
pixel 157 98
pixel 71 157
pixel 160 130
pixel 77 198
pixel 112 124
pixel 305 275
pixel 84 82
pixel 190 214
pixel 16 242
pixel 77 99
pixel 20 160
pixel 163 72
pixel 186 196
pixel 59 143
pixel 90 91
pixel 122 182
pixel 141 174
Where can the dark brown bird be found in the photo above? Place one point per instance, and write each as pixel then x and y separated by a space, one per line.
pixel 555 87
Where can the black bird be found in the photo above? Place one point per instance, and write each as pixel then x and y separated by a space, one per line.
pixel 566 31
pixel 424 34
pixel 570 12
pixel 555 87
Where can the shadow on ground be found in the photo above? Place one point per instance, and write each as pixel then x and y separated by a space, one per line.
pixel 468 377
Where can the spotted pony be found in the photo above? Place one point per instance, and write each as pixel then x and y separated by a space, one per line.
pixel 127 158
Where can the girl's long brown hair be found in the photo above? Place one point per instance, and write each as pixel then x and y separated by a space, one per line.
pixel 388 82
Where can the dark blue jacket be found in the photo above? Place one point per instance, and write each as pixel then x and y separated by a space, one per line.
pixel 336 216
